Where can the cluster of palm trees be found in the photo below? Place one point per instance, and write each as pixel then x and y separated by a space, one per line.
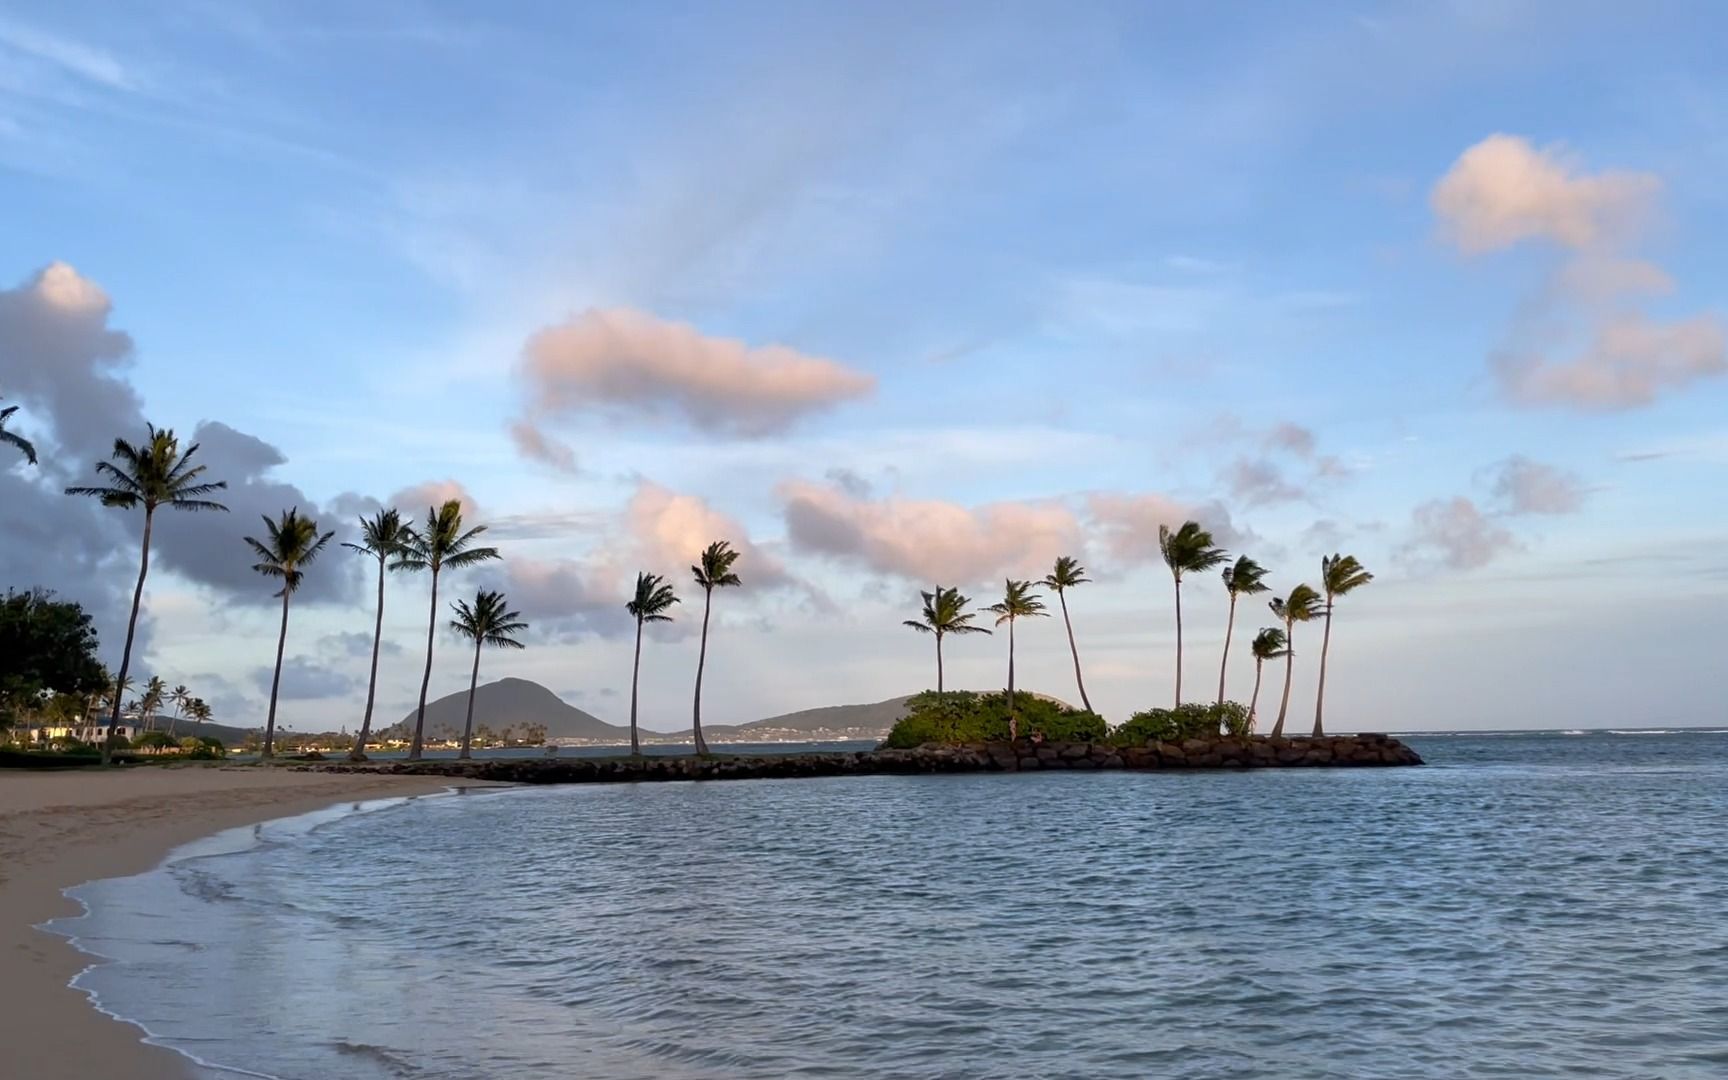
pixel 148 705
pixel 1187 549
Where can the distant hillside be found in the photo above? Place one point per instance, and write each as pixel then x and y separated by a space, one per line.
pixel 516 703
pixel 874 718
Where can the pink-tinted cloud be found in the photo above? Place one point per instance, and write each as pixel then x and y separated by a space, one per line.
pixel 1523 486
pixel 929 540
pixel 1128 524
pixel 1503 190
pixel 414 500
pixel 1581 341
pixel 624 362
pixel 535 444
pixel 1456 534
pixel 668 529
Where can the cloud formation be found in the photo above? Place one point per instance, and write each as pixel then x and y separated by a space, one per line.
pixel 1523 486
pixel 1582 340
pixel 629 363
pixel 928 540
pixel 304 678
pixel 1128 524
pixel 1456 534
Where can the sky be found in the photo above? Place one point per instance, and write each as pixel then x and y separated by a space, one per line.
pixel 889 295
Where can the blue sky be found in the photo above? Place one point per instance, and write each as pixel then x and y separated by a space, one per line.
pixel 1035 278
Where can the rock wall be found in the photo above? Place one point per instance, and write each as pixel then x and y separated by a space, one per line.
pixel 1020 756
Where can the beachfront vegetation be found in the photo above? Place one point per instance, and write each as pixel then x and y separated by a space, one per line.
pixel 1066 574
pixel 965 716
pixel 1187 548
pixel 488 621
pixel 13 439
pixel 1269 644
pixel 945 613
pixel 1190 720
pixel 1302 605
pixel 712 571
pixel 153 474
pixel 442 543
pixel 1245 578
pixel 47 649
pixel 385 536
pixel 1018 602
pixel 1340 575
pixel 293 543
pixel 650 603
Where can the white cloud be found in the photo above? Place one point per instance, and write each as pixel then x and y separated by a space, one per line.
pixel 1455 533
pixel 1504 190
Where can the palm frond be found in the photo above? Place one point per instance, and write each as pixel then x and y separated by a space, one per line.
pixel 1067 573
pixel 1245 578
pixel 1188 548
pixel 1270 644
pixel 1341 574
pixel 713 570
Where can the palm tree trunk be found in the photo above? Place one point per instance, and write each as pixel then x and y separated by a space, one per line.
pixel 468 725
pixel 701 662
pixel 1224 664
pixel 1320 694
pixel 635 674
pixel 1178 642
pixel 938 663
pixel 276 680
pixel 131 629
pixel 174 723
pixel 1062 595
pixel 419 742
pixel 359 751
pixel 1289 668
pixel 1254 701
pixel 1013 721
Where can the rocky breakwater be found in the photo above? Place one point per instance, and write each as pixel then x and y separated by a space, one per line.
pixel 1021 756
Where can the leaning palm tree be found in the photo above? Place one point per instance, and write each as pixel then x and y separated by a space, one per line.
pixel 1067 574
pixel 155 693
pixel 1188 548
pixel 1243 579
pixel 1301 605
pixel 384 536
pixel 442 543
pixel 1269 644
pixel 1339 575
pixel 712 571
pixel 151 474
pixel 199 712
pixel 1018 602
pixel 293 542
pixel 12 438
pixel 180 697
pixel 653 599
pixel 945 613
pixel 488 622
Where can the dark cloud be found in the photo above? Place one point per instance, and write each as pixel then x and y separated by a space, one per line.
pixel 1257 482
pixel 304 678
pixel 354 645
pixel 210 549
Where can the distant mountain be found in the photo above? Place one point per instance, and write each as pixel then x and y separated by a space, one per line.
pixel 864 720
pixel 517 703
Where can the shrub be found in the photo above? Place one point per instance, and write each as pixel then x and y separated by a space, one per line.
pixel 202 748
pixel 153 740
pixel 1188 721
pixel 963 716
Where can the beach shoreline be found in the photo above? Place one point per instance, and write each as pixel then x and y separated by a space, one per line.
pixel 59 830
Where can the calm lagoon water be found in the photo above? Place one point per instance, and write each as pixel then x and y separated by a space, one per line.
pixel 1528 906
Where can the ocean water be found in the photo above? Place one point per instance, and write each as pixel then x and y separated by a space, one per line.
pixel 1527 906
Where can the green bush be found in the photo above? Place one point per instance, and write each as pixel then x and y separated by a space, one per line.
pixel 1188 721
pixel 965 716
pixel 153 740
pixel 202 748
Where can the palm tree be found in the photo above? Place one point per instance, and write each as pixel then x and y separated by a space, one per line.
pixel 1188 548
pixel 154 473
pixel 384 536
pixel 945 613
pixel 1018 602
pixel 442 543
pixel 12 438
pixel 293 543
pixel 654 597
pixel 155 693
pixel 488 622
pixel 1067 574
pixel 1242 579
pixel 181 697
pixel 1339 575
pixel 1269 644
pixel 712 571
pixel 1301 605
pixel 198 711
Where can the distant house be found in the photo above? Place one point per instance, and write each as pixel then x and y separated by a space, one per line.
pixel 87 733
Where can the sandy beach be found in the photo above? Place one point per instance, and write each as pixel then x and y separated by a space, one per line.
pixel 61 829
